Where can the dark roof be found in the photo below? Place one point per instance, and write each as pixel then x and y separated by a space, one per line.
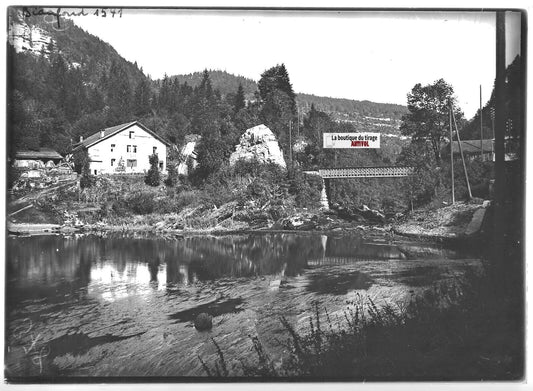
pixel 42 153
pixel 108 132
pixel 470 146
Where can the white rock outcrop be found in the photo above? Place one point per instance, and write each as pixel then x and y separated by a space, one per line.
pixel 26 38
pixel 188 154
pixel 258 143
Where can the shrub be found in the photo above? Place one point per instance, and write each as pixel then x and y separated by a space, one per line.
pixel 83 160
pixel 172 177
pixel 186 198
pixel 152 176
pixel 141 203
pixel 120 208
pixel 306 188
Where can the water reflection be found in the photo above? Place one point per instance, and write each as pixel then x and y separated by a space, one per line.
pixel 114 266
pixel 100 301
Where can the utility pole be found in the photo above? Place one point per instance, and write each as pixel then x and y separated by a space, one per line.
pixel 492 114
pixel 451 157
pixel 290 141
pixel 481 120
pixel 298 123
pixel 461 152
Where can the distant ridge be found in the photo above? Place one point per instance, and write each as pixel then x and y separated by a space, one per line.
pixel 228 83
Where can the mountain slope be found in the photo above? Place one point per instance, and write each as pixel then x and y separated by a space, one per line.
pixel 345 110
pixel 225 82
pixel 33 35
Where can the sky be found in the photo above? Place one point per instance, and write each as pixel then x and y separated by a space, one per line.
pixel 370 55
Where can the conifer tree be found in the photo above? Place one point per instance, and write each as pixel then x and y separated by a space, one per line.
pixel 141 100
pixel 119 97
pixel 239 102
pixel 152 176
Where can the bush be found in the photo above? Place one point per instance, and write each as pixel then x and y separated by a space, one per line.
pixel 306 188
pixel 152 176
pixel 141 203
pixel 120 208
pixel 172 177
pixel 186 198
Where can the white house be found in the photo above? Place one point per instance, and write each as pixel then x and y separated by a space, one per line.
pixel 124 149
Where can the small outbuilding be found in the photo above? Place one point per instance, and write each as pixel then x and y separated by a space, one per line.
pixel 471 149
pixel 36 159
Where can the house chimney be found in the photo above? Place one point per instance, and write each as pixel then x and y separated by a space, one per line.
pixel 81 139
pixel 102 133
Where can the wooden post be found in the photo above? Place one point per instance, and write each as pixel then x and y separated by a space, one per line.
pixel 462 156
pixel 451 158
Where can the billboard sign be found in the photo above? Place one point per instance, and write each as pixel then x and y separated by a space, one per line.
pixel 351 140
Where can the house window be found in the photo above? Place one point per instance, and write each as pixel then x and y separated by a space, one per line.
pixel 128 148
pixel 112 147
pixel 95 172
pixel 134 149
pixel 113 162
pixel 160 165
pixel 155 150
pixel 131 133
pixel 131 163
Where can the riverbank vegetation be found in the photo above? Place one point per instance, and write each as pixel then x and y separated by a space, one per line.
pixel 466 331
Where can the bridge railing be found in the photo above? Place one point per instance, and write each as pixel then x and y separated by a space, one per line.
pixel 366 172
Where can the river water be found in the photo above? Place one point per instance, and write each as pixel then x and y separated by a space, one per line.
pixel 124 304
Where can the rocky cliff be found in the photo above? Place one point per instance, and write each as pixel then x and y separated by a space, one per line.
pixel 258 143
pixel 27 38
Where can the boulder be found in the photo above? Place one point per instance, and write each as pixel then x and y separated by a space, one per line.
pixel 203 322
pixel 258 143
pixel 371 214
pixel 299 222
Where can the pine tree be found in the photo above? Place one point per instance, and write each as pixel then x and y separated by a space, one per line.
pixel 57 81
pixel 82 163
pixel 172 174
pixel 141 100
pixel 239 102
pixel 205 85
pixel 277 79
pixel 74 91
pixel 204 108
pixel 119 96
pixel 152 176
pixel 278 103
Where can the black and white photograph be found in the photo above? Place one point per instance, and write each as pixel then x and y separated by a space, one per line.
pixel 253 194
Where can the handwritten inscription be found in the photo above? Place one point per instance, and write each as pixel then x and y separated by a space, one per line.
pixel 58 13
